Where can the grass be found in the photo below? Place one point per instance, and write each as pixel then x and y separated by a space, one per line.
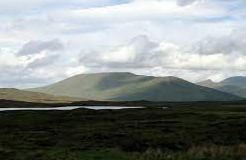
pixel 193 132
pixel 214 152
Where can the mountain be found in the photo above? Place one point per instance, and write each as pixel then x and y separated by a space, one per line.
pixel 28 96
pixel 229 86
pixel 209 83
pixel 239 81
pixel 131 87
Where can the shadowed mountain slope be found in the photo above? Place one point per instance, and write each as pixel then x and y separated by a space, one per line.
pixel 228 86
pixel 239 81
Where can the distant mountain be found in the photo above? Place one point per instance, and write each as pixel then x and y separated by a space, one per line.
pixel 28 96
pixel 131 87
pixel 230 85
pixel 239 81
pixel 209 83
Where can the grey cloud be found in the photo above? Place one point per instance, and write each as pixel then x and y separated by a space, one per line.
pixel 234 43
pixel 11 77
pixel 185 2
pixel 48 60
pixel 142 43
pixel 34 47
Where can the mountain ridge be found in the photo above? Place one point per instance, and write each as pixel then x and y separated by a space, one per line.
pixel 228 85
pixel 239 81
pixel 125 86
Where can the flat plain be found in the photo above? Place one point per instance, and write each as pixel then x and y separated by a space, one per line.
pixel 187 131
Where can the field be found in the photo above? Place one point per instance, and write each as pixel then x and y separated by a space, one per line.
pixel 183 131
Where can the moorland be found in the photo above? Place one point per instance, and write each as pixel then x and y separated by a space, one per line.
pixel 160 131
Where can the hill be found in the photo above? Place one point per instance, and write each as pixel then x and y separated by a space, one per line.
pixel 239 81
pixel 131 87
pixel 28 96
pixel 229 86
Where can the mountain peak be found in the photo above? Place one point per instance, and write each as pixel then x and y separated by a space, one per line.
pixel 207 81
pixel 232 85
pixel 106 73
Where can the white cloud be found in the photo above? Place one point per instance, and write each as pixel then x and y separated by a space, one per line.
pixel 20 5
pixel 143 10
pixel 28 66
pixel 8 59
pixel 97 35
pixel 141 52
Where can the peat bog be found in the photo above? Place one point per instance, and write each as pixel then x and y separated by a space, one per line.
pixel 182 131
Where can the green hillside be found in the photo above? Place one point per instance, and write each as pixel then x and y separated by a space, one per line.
pixel 131 87
pixel 28 96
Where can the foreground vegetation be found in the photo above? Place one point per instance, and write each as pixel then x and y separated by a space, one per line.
pixel 181 132
pixel 195 153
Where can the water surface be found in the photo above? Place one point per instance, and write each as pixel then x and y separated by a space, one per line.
pixel 68 108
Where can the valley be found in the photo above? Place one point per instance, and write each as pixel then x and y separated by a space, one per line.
pixel 123 116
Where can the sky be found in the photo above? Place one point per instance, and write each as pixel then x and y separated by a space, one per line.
pixel 44 41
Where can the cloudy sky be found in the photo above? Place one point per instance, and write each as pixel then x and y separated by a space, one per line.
pixel 43 41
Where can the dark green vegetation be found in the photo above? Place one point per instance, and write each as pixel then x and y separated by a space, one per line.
pixel 20 104
pixel 184 131
pixel 131 87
